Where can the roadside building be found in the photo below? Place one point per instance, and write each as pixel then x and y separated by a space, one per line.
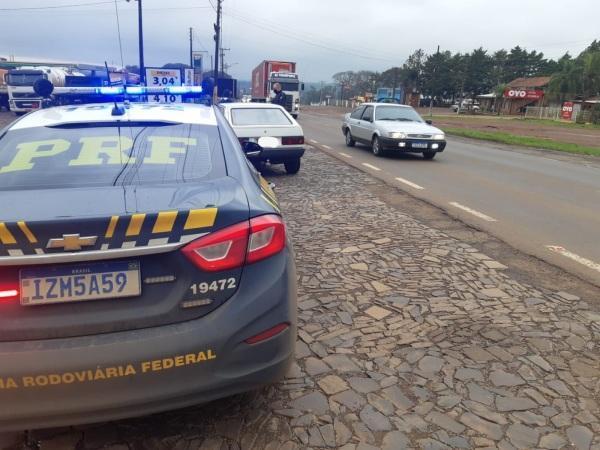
pixel 523 92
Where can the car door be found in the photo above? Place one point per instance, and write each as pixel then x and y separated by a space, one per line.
pixel 366 124
pixel 354 120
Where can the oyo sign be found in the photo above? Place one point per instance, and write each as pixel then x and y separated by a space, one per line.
pixel 567 111
pixel 525 94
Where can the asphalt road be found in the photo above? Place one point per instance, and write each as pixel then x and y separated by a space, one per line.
pixel 543 203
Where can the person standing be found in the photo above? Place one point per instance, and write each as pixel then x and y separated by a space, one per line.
pixel 279 98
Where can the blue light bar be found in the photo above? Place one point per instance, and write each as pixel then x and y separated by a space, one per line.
pixel 110 90
pixel 177 90
pixel 135 90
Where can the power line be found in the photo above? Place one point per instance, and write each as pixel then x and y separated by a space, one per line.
pixel 306 41
pixel 56 6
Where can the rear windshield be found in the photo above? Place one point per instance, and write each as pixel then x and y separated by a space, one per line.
pixel 109 155
pixel 259 116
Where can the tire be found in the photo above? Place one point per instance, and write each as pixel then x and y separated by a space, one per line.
pixel 429 155
pixel 349 141
pixel 292 166
pixel 376 147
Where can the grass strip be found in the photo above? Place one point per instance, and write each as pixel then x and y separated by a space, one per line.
pixel 525 141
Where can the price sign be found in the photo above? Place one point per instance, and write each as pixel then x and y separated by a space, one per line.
pixel 163 78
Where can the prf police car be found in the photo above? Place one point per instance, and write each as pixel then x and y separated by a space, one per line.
pixel 144 265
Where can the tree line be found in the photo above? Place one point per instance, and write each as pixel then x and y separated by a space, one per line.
pixel 446 76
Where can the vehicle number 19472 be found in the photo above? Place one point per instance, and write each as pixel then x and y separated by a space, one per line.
pixel 213 286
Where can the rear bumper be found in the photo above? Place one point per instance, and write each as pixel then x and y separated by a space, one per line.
pixel 396 144
pixel 59 382
pixel 278 155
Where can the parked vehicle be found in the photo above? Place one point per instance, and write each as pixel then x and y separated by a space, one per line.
pixel 144 264
pixel 388 127
pixel 466 105
pixel 3 90
pixel 272 127
pixel 268 73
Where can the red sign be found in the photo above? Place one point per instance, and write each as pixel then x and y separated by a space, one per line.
pixel 567 111
pixel 524 94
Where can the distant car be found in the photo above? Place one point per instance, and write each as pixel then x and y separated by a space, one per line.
pixel 389 127
pixel 466 105
pixel 271 127
pixel 144 265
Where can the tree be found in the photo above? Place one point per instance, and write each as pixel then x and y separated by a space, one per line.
pixel 478 73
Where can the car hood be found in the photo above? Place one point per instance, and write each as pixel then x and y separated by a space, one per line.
pixel 406 127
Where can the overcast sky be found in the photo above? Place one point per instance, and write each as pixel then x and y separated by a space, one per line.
pixel 322 36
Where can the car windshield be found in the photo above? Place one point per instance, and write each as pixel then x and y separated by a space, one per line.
pixel 397 113
pixel 259 116
pixel 108 155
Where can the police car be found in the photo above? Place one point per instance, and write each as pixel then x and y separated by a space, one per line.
pixel 144 265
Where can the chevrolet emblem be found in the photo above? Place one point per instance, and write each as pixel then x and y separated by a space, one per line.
pixel 72 242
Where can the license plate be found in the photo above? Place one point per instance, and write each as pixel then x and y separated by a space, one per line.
pixel 419 145
pixel 45 285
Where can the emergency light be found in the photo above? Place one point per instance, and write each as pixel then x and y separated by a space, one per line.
pixel 130 90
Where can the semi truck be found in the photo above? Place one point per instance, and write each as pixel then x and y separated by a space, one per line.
pixel 22 98
pixel 267 73
pixel 3 89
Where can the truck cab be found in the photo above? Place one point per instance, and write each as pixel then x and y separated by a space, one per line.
pixel 290 85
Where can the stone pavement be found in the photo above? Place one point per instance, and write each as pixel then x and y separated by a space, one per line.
pixel 407 339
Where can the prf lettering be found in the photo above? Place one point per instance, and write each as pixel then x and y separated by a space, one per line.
pixel 177 361
pixel 99 150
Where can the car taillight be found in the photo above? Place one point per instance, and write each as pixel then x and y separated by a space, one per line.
pixel 8 292
pixel 292 140
pixel 246 242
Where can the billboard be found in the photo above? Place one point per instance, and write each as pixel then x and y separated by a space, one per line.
pixel 161 78
pixel 523 94
pixel 566 112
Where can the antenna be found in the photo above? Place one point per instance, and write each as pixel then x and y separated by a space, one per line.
pixel 117 110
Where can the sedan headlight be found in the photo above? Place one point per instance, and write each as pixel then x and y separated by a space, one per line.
pixel 397 135
pixel 439 137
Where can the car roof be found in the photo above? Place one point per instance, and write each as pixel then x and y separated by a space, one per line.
pixel 252 105
pixel 136 112
pixel 384 104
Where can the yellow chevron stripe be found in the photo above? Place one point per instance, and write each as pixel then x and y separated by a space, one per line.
pixel 27 232
pixel 270 202
pixel 271 197
pixel 200 218
pixel 110 231
pixel 6 236
pixel 164 222
pixel 135 225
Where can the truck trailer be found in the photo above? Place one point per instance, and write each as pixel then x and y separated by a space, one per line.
pixel 267 73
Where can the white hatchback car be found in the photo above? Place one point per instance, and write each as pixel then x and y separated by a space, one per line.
pixel 271 127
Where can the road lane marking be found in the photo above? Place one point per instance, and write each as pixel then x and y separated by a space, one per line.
pixel 345 155
pixel 409 183
pixel 326 146
pixel 313 141
pixel 580 259
pixel 370 166
pixel 472 211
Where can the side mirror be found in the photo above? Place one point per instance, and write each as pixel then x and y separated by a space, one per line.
pixel 428 122
pixel 251 149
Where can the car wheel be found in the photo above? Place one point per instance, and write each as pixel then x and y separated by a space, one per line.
pixel 376 147
pixel 429 155
pixel 349 141
pixel 292 166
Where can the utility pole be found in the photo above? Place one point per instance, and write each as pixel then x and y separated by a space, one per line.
pixel 223 65
pixel 395 82
pixel 434 72
pixel 141 43
pixel 217 45
pixel 191 57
